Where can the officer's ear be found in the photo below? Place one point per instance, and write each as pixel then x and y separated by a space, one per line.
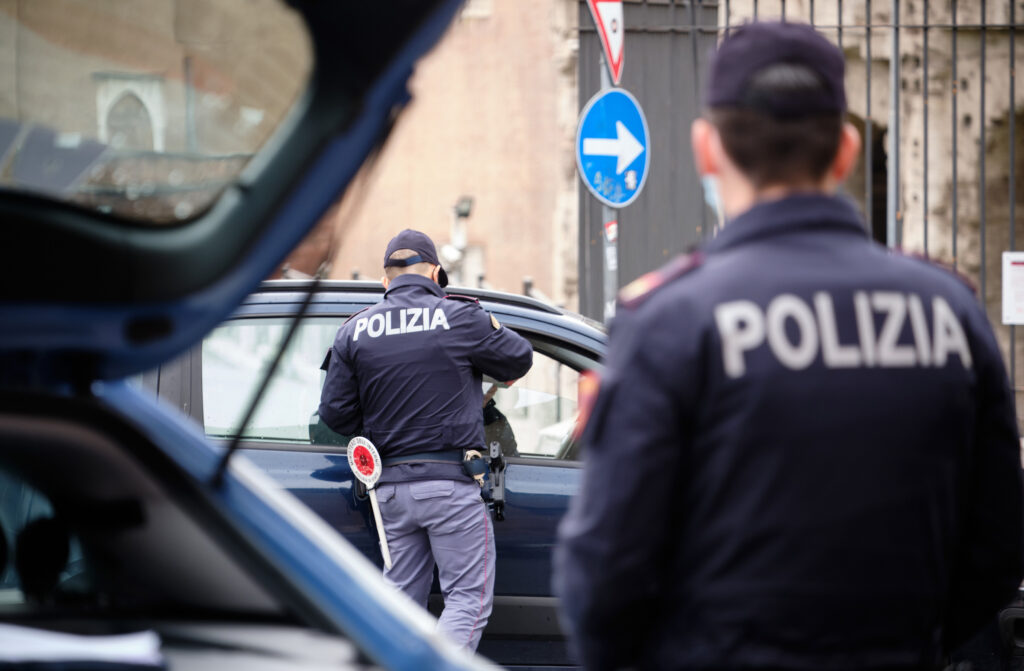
pixel 385 281
pixel 706 147
pixel 435 274
pixel 847 154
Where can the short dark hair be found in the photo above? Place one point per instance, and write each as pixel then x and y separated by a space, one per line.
pixel 772 150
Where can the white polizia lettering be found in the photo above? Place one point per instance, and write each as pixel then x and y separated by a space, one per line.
pixel 919 324
pixel 741 326
pixel 800 354
pixel 397 322
pixel 376 326
pixel 794 332
pixel 894 307
pixel 865 326
pixel 949 334
pixel 835 354
pixel 414 324
pixel 360 327
pixel 439 321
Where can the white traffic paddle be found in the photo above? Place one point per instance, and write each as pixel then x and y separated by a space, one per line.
pixel 365 463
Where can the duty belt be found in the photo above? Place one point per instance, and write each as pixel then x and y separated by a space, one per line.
pixel 435 457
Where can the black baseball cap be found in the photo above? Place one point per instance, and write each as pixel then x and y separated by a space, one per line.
pixel 753 47
pixel 419 243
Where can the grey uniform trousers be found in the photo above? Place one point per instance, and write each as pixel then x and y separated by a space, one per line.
pixel 442 521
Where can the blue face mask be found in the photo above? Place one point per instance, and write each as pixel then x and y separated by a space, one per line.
pixel 713 199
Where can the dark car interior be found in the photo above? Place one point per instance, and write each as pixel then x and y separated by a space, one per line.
pixel 92 543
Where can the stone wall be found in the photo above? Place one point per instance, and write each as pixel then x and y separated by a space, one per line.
pixel 492 118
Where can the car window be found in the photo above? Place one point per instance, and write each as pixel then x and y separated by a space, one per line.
pixel 105 538
pixel 146 110
pixel 235 357
pixel 533 417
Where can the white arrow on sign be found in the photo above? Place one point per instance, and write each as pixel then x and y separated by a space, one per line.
pixel 624 147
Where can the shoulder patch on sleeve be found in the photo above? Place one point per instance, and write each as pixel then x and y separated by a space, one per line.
pixel 460 297
pixel 355 314
pixel 637 291
pixel 589 384
pixel 932 261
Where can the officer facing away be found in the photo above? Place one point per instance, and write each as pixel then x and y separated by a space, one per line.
pixel 804 453
pixel 406 373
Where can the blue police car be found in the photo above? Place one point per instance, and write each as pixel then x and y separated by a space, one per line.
pixel 529 428
pixel 156 161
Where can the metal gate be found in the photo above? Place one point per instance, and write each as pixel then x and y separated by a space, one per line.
pixel 931 86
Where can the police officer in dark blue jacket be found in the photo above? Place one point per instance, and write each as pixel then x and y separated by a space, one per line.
pixel 407 374
pixel 804 451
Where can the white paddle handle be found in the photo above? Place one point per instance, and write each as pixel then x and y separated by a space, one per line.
pixel 380 529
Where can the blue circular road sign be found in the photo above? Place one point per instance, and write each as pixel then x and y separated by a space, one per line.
pixel 613 147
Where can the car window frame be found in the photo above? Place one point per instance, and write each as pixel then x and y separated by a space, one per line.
pixel 189 369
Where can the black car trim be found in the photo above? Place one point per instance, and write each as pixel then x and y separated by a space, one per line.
pixel 338 450
pixel 278 446
pixel 517 615
pixel 376 288
pixel 544 461
pixel 514 320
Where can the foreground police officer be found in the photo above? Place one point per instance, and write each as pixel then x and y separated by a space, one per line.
pixel 406 374
pixel 804 453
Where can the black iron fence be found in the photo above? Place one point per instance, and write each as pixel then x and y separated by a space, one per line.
pixel 931 85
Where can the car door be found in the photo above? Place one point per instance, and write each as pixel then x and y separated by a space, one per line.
pixel 531 420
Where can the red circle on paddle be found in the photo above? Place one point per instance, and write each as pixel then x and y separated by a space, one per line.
pixel 363 460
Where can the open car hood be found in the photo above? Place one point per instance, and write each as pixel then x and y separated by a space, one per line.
pixel 92 297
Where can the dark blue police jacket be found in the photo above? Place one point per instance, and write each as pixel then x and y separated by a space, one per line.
pixel 407 374
pixel 803 455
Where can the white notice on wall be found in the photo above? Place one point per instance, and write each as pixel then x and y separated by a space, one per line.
pixel 1013 287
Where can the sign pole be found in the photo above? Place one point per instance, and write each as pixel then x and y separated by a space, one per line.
pixel 609 232
pixel 612 143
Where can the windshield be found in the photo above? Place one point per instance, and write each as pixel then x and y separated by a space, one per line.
pixel 145 109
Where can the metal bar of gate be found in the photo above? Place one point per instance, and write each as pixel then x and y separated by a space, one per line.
pixel 705 230
pixel 925 115
pixel 981 159
pixel 1012 180
pixel 893 232
pixel 840 30
pixel 956 84
pixel 868 169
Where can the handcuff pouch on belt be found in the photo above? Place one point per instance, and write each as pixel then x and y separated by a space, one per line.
pixel 475 466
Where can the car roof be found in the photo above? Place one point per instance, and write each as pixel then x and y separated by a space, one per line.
pixel 358 294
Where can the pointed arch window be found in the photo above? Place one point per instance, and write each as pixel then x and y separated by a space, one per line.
pixel 129 125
